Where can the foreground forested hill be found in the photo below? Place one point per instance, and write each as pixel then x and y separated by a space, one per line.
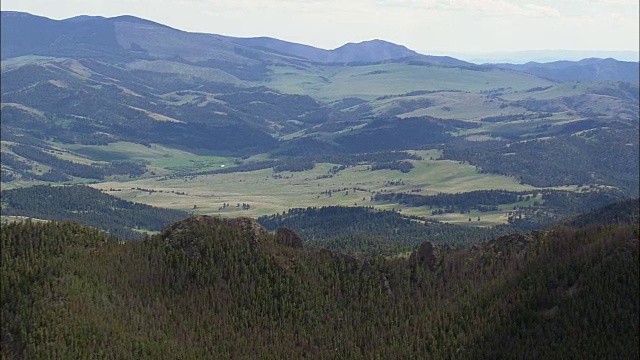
pixel 211 288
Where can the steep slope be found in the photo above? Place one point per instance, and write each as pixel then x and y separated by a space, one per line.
pixel 282 47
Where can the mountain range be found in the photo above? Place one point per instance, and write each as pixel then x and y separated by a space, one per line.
pixel 130 37
pixel 545 56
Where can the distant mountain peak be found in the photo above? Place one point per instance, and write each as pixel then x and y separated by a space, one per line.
pixel 370 51
pixel 137 20
pixel 375 42
pixel 84 18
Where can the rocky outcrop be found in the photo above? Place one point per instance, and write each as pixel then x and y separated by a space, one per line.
pixel 427 255
pixel 508 244
pixel 248 226
pixel 289 238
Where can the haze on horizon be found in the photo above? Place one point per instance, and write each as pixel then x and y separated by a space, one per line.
pixel 461 28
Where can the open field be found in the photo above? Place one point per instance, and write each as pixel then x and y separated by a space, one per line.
pixel 268 193
pixel 553 92
pixel 28 59
pixel 372 81
pixel 171 67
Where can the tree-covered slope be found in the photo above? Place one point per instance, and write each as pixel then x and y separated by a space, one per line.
pixel 88 206
pixel 598 156
pixel 227 289
pixel 361 230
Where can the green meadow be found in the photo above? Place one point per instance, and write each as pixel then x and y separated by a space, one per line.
pixel 267 192
pixel 160 159
pixel 372 81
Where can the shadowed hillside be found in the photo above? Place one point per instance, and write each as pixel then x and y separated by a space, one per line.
pixel 88 206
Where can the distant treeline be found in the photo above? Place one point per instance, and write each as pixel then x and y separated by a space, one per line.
pixel 88 206
pixel 458 201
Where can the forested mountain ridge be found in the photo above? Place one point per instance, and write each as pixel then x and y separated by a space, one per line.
pixel 205 287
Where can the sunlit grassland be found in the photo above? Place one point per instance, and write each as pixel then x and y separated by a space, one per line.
pixel 269 193
pixel 555 91
pixel 464 106
pixel 185 70
pixel 126 151
pixel 371 81
pixel 478 218
pixel 7 64
pixel 161 160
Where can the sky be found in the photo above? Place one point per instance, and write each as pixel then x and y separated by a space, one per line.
pixel 427 26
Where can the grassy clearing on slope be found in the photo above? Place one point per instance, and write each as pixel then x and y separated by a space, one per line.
pixel 463 106
pixel 192 71
pixel 26 60
pixel 555 91
pixel 161 159
pixel 372 81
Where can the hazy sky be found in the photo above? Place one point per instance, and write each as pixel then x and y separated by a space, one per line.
pixel 428 26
